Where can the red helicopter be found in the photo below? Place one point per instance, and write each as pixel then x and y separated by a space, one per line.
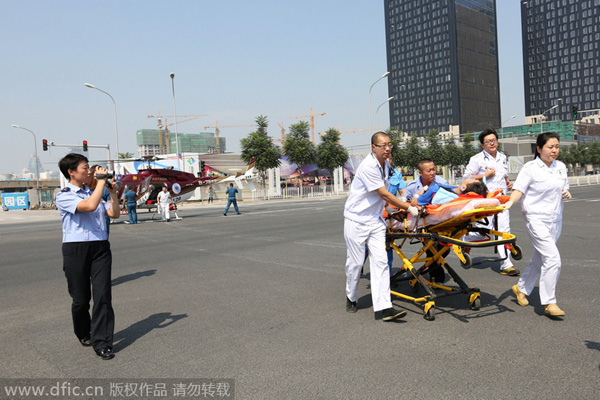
pixel 147 183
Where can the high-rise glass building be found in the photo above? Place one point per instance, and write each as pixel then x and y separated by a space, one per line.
pixel 561 56
pixel 443 61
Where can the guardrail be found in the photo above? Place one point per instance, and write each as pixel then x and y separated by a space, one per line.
pixel 307 191
pixel 584 180
pixel 328 190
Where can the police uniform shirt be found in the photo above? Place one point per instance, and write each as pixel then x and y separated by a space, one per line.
pixel 364 205
pixel 81 226
pixel 542 188
pixel 480 161
pixel 416 185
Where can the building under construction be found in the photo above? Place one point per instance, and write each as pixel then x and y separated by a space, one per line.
pixel 153 142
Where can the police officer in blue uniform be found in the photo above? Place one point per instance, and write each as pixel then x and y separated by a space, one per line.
pixel 87 259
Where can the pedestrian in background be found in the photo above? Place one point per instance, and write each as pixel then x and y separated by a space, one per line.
pixel 542 184
pixel 231 192
pixel 129 201
pixel 211 194
pixel 164 201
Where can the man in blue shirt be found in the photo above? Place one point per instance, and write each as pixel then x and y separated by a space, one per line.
pixel 130 200
pixel 87 259
pixel 231 192
pixel 427 175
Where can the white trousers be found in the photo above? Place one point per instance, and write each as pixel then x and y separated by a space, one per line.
pixel 164 212
pixel 503 226
pixel 545 260
pixel 356 235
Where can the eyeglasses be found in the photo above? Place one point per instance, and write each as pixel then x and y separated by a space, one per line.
pixel 492 141
pixel 382 146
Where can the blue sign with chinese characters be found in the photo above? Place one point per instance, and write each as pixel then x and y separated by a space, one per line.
pixel 15 201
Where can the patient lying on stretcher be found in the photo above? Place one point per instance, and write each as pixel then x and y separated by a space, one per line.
pixel 444 202
pixel 437 194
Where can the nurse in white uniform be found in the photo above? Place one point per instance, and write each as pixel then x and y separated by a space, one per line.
pixel 542 184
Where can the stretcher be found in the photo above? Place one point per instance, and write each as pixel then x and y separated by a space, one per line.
pixel 440 230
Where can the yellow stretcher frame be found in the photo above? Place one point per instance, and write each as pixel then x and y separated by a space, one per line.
pixel 437 241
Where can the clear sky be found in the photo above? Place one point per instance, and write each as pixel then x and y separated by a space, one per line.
pixel 233 60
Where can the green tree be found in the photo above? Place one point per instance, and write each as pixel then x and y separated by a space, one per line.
pixel 414 152
pixel 399 151
pixel 434 150
pixel 331 154
pixel 260 147
pixel 453 155
pixel 594 153
pixel 566 155
pixel 298 147
pixel 126 155
pixel 468 150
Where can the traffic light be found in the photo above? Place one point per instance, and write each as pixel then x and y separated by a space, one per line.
pixel 45 144
pixel 574 113
pixel 202 167
pixel 85 145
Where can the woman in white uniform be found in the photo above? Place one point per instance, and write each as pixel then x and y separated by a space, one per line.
pixel 543 184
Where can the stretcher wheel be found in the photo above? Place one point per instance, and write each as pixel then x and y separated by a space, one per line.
pixel 430 314
pixel 468 263
pixel 519 252
pixel 475 304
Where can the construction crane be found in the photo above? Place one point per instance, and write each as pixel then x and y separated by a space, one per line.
pixel 165 147
pixel 217 131
pixel 312 121
pixel 282 140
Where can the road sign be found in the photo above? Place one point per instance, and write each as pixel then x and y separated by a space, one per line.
pixel 15 201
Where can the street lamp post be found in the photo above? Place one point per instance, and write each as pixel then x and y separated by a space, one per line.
pixel 115 108
pixel 377 112
pixel 175 110
pixel 542 117
pixel 502 126
pixel 380 78
pixel 37 168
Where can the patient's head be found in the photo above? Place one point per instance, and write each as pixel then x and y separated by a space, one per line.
pixel 473 185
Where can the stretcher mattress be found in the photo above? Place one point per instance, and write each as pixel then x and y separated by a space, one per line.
pixel 438 214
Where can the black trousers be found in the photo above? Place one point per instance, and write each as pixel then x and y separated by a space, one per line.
pixel 87 266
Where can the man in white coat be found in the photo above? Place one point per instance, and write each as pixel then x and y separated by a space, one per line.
pixel 164 200
pixel 363 223
pixel 492 165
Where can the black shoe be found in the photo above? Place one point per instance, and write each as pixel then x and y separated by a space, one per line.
pixel 351 306
pixel 85 342
pixel 390 314
pixel 105 353
pixel 224 214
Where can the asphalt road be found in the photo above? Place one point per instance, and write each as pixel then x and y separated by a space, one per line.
pixel 259 298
